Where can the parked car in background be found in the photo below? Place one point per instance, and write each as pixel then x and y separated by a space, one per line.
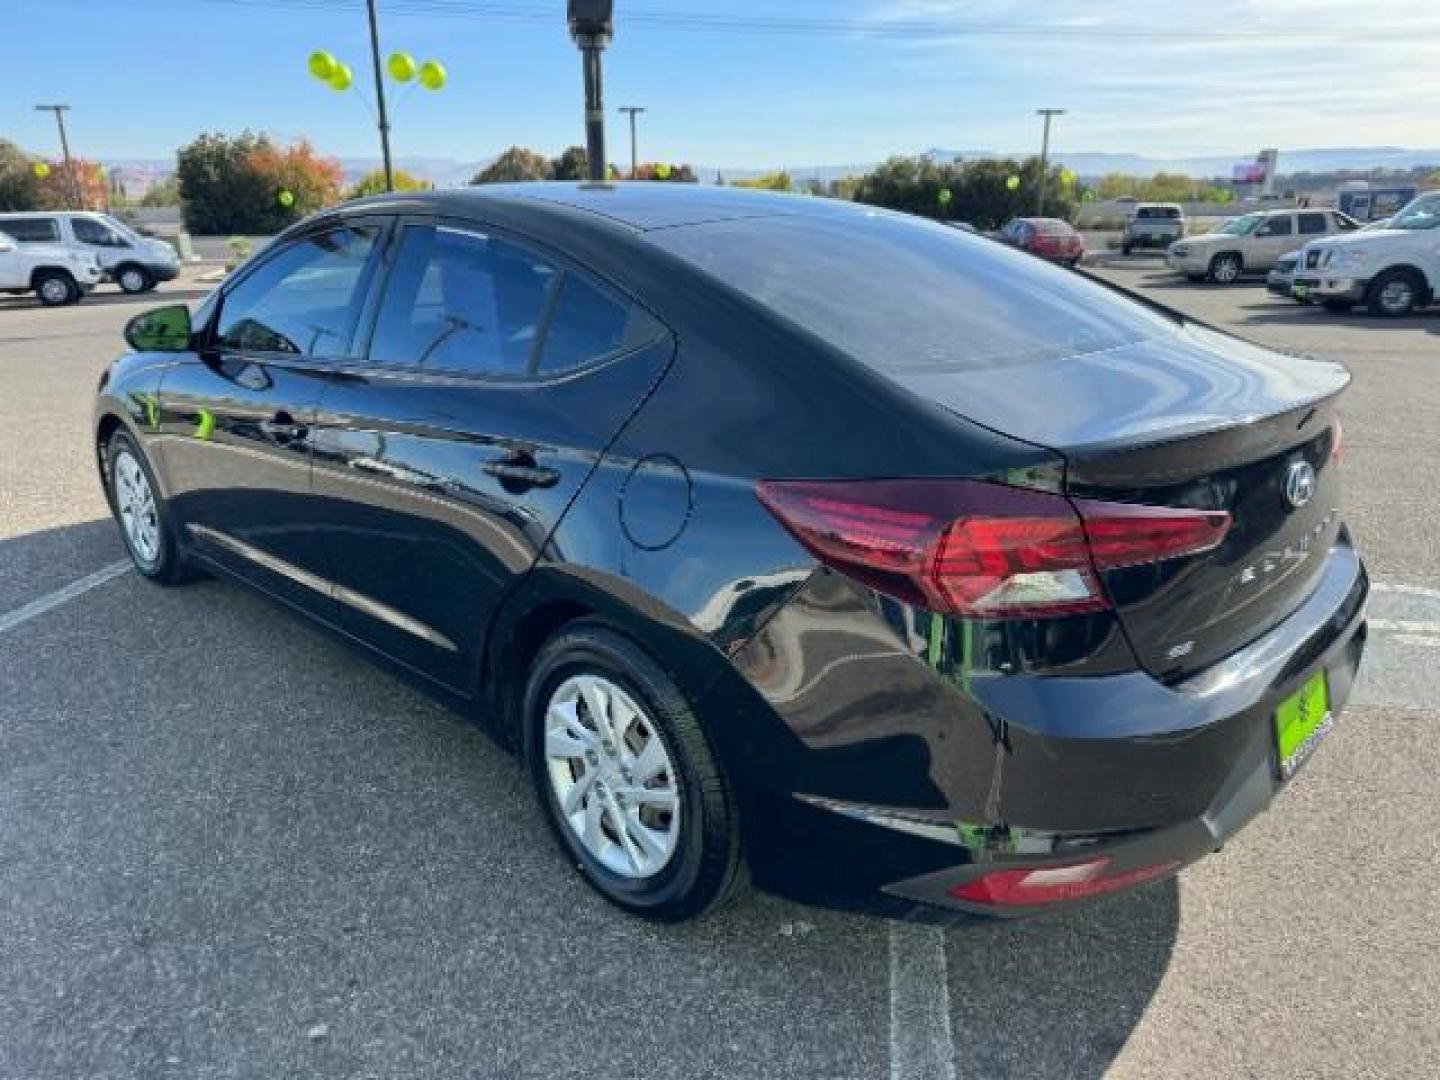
pixel 1152 225
pixel 1282 275
pixel 1392 271
pixel 1382 223
pixel 770 531
pixel 132 261
pixel 1049 238
pixel 57 275
pixel 1252 243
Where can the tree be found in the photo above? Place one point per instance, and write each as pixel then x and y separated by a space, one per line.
pixel 514 164
pixel 312 182
pixel 90 185
pixel 165 193
pixel 981 192
pixel 373 183
pixel 19 186
pixel 234 184
pixel 572 164
pixel 771 181
pixel 663 171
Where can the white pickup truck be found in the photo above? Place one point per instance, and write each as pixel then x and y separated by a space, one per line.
pixel 1392 271
pixel 56 275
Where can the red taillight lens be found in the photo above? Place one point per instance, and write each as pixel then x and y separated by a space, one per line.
pixel 1055 884
pixel 1337 439
pixel 971 548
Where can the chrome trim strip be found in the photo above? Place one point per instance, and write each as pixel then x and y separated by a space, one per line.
pixel 359 601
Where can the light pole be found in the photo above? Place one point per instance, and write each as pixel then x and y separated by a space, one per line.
pixel 633 110
pixel 592 25
pixel 384 120
pixel 1045 153
pixel 70 187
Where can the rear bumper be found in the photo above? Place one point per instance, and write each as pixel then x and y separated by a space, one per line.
pixel 916 789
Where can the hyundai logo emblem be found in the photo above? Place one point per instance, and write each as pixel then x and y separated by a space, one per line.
pixel 1300 484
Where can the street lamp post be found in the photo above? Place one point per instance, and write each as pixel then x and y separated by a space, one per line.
pixel 383 120
pixel 71 188
pixel 633 110
pixel 592 25
pixel 1045 153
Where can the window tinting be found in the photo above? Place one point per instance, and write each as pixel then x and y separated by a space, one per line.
pixel 89 231
pixel 32 230
pixel 467 302
pixel 898 293
pixel 302 300
pixel 1158 212
pixel 1279 225
pixel 1312 224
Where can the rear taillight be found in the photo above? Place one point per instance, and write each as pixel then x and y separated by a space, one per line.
pixel 1055 884
pixel 970 548
pixel 1337 439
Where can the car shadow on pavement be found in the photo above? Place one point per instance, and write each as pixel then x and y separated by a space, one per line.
pixel 229 839
pixel 1278 311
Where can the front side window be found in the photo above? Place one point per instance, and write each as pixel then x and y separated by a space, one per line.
pixel 40 230
pixel 1281 225
pixel 302 301
pixel 471 303
pixel 1423 213
pixel 1312 225
pixel 90 231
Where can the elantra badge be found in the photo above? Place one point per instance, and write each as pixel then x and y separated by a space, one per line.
pixel 1300 484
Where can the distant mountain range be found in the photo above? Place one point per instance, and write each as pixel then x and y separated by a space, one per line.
pixel 138 174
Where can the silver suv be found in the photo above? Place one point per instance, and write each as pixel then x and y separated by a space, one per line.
pixel 1153 225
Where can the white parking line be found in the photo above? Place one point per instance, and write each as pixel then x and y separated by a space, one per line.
pixel 921 1046
pixel 11 619
pixel 1404 590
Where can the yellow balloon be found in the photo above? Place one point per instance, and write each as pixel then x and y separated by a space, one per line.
pixel 323 65
pixel 42 170
pixel 401 66
pixel 662 171
pixel 1067 177
pixel 342 78
pixel 432 75
pixel 1013 183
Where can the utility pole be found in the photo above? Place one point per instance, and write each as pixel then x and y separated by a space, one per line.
pixel 384 119
pixel 592 24
pixel 1045 153
pixel 632 110
pixel 72 188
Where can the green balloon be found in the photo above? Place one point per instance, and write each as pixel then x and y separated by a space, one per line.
pixel 287 199
pixel 322 65
pixel 401 67
pixel 341 79
pixel 945 196
pixel 662 171
pixel 432 75
pixel 1013 183
pixel 42 170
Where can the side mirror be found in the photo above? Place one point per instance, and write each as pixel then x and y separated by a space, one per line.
pixel 165 329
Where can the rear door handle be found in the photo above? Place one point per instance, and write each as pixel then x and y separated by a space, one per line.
pixel 520 472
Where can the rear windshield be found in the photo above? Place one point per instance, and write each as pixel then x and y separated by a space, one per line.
pixel 900 293
pixel 1158 212
pixel 1051 227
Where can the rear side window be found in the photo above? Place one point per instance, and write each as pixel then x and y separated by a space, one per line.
pixel 1345 223
pixel 302 300
pixel 89 231
pixel 38 230
pixel 467 302
pixel 902 294
pixel 1312 224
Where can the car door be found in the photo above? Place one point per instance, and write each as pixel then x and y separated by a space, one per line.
pixel 1312 225
pixel 496 377
pixel 235 422
pixel 100 240
pixel 1274 237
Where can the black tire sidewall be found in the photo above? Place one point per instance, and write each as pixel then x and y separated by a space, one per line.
pixel 166 565
pixel 1378 286
pixel 1219 261
pixel 696 877
pixel 72 290
pixel 131 268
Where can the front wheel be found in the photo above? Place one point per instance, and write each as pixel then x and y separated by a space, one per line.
pixel 627 778
pixel 134 280
pixel 56 287
pixel 1225 269
pixel 142 513
pixel 1394 293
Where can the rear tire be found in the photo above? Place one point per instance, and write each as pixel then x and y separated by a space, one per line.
pixel 627 778
pixel 1394 293
pixel 1225 268
pixel 146 524
pixel 56 288
pixel 134 279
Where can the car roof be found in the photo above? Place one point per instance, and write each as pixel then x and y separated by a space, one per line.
pixel 642 206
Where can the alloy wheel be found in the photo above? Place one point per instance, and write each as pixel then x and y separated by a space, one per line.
pixel 135 502
pixel 132 280
pixel 1397 296
pixel 614 782
pixel 54 290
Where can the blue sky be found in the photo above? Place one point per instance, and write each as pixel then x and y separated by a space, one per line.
pixel 1225 77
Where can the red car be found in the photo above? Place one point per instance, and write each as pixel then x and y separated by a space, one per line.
pixel 1050 238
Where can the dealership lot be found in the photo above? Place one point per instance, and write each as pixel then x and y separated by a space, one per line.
pixel 229 847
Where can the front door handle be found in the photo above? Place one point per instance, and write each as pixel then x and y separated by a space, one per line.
pixel 283 428
pixel 519 472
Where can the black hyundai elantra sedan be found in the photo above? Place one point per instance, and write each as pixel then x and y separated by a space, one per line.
pixel 783 537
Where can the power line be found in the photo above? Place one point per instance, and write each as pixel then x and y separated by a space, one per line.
pixel 901 29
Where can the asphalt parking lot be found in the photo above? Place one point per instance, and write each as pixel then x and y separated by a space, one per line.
pixel 231 848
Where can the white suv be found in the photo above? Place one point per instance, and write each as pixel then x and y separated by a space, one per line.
pixel 132 261
pixel 55 274
pixel 1392 271
pixel 1252 244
